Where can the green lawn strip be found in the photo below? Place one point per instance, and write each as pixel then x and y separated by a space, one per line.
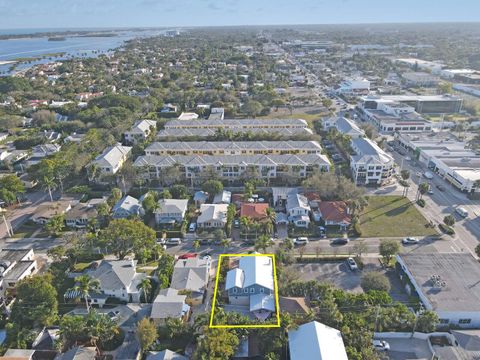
pixel 387 216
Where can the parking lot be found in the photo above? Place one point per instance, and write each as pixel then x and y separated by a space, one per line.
pixel 339 274
pixel 407 348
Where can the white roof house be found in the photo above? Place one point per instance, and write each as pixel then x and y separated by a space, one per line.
pixel 169 304
pixel 127 206
pixel 140 130
pixel 314 340
pixel 212 215
pixel 112 159
pixel 171 210
pixel 223 197
pixel 347 127
pixel 252 270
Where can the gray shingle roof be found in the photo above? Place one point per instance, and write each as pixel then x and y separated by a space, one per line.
pixel 117 274
pixel 168 304
pixel 190 274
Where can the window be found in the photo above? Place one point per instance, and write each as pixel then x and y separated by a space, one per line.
pixel 252 290
pixel 262 290
pixel 443 321
pixel 464 321
pixel 234 290
pixel 245 291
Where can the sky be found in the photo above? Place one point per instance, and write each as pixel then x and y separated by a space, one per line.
pixel 33 14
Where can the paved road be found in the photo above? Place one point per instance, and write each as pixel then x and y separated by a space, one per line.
pixel 443 203
pixel 17 215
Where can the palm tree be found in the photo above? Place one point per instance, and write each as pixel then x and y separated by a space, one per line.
pixel 146 286
pixel 405 174
pixel 263 242
pixel 225 243
pixel 246 223
pixel 422 190
pixel 271 217
pixel 84 286
pixel 196 245
pixel 49 184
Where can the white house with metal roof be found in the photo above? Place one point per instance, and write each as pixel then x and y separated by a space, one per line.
pixel 298 210
pixel 370 165
pixel 212 216
pixel 112 159
pixel 140 131
pixel 317 341
pixel 252 284
pixel 126 207
pixel 169 304
pixel 344 126
pixel 170 211
pixel 118 279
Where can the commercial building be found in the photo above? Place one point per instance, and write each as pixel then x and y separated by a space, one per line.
pixel 446 283
pixel 433 66
pixel 232 167
pixel 389 116
pixel 370 165
pixel 419 78
pixel 352 87
pixel 233 148
pixel 446 156
pixel 423 104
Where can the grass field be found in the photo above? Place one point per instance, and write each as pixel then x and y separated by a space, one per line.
pixel 392 216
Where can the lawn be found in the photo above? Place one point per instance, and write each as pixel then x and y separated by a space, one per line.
pixel 392 216
pixel 27 229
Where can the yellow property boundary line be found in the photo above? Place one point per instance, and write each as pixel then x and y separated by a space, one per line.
pixel 277 308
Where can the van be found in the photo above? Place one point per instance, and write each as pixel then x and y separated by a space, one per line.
pixel 192 227
pixel 462 212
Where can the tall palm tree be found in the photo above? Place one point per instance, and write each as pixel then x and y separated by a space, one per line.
pixel 146 286
pixel 49 184
pixel 85 285
pixel 271 217
pixel 263 242
pixel 422 190
pixel 246 223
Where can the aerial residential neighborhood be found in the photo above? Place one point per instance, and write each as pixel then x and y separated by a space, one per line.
pixel 189 187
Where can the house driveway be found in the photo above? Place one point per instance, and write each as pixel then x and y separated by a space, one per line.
pixel 282 231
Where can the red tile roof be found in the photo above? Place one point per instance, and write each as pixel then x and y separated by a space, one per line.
pixel 334 211
pixel 255 211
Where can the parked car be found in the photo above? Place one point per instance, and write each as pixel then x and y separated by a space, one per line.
pixel 339 241
pixel 462 212
pixel 236 223
pixel 430 191
pixel 352 264
pixel 322 232
pixel 381 345
pixel 441 187
pixel 173 241
pixel 300 241
pixel 161 241
pixel 188 256
pixel 192 227
pixel 205 241
pixel 410 240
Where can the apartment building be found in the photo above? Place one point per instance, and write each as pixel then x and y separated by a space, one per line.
pixel 140 131
pixel 233 148
pixel 237 124
pixel 231 167
pixel 419 78
pixel 112 159
pixel 279 133
pixel 370 165
pixel 352 87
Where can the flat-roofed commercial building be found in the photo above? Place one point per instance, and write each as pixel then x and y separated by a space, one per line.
pixel 446 283
pixel 232 167
pixel 423 104
pixel 391 116
pixel 233 148
pixel 370 165
pixel 448 157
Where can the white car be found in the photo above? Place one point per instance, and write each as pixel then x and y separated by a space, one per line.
pixel 462 212
pixel 410 240
pixel 174 241
pixel 300 241
pixel 352 264
pixel 381 345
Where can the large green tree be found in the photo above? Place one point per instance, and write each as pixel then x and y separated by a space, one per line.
pixel 36 302
pixel 124 236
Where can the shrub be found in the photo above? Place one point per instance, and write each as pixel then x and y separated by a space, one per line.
pixel 446 229
pixel 421 203
pixel 375 280
pixel 358 230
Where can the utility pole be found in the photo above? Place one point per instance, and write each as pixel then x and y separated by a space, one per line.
pixel 9 231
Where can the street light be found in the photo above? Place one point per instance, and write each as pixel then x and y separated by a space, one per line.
pixel 9 231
